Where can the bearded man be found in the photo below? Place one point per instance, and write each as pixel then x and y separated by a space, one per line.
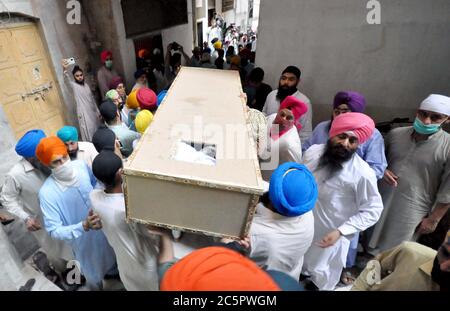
pixel 349 201
pixel 289 80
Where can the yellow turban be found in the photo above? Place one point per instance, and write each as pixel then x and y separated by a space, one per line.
pixel 132 102
pixel 217 45
pixel 143 120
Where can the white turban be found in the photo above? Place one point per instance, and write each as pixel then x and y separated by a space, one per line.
pixel 436 103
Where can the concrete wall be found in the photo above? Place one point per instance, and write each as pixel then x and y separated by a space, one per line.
pixel 201 15
pixel 395 64
pixel 126 46
pixel 7 145
pixel 255 20
pixel 107 26
pixel 182 34
pixel 18 6
pixel 104 18
pixel 239 15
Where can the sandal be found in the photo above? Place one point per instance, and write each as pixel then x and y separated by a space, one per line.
pixel 40 261
pixel 347 277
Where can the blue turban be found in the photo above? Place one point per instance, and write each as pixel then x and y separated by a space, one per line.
pixel 26 146
pixel 293 189
pixel 161 97
pixel 68 133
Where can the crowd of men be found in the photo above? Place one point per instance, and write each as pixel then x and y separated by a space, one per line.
pixel 331 185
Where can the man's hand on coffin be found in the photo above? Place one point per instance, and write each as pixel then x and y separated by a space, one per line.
pixel 245 243
pixel 244 97
pixel 159 231
pixel 243 246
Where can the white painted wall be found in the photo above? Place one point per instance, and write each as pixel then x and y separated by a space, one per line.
pixel 218 6
pixel 182 34
pixel 239 15
pixel 17 6
pixel 395 64
pixel 202 17
pixel 126 46
pixel 255 20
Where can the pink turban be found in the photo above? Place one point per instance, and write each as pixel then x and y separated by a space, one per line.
pixel 297 107
pixel 104 55
pixel 360 124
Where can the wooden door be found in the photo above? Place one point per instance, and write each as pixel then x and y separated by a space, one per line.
pixel 28 88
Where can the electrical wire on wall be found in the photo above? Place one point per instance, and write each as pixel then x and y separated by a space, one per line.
pixel 2 22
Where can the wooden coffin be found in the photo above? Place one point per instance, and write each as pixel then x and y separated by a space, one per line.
pixel 203 108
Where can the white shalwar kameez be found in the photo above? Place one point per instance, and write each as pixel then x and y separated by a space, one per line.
pixel 279 242
pixel 349 201
pixel 135 250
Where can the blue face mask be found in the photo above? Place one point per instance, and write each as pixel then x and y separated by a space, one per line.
pixel 426 129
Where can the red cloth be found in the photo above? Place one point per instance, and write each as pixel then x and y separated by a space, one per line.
pixel 147 98
pixel 297 107
pixel 104 55
pixel 217 269
pixel 358 123
pixel 245 53
pixel 49 148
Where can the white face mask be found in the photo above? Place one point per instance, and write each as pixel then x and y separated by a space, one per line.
pixel 65 175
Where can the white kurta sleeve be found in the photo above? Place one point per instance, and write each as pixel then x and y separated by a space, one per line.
pixel 295 152
pixel 306 122
pixel 443 195
pixel 370 207
pixel 10 198
pixel 265 108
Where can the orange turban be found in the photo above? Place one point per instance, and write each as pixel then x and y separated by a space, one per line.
pixel 49 148
pixel 217 269
pixel 132 102
pixel 143 53
pixel 236 60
